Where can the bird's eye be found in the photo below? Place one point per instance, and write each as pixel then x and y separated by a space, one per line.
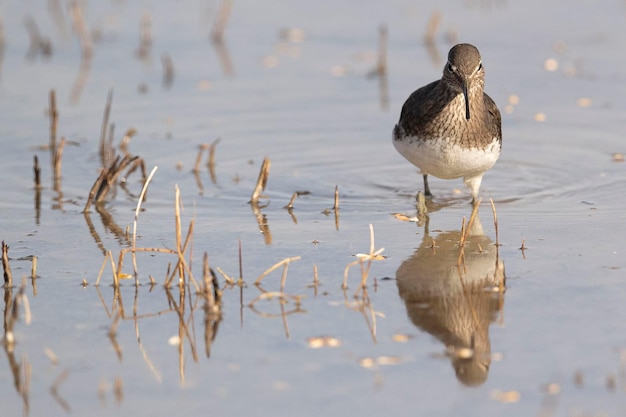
pixel 450 67
pixel 480 67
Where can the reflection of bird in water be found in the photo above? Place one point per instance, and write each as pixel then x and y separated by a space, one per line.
pixel 454 303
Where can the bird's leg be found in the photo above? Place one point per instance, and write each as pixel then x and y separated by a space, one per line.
pixel 427 192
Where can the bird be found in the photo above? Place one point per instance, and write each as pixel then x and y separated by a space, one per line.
pixel 451 128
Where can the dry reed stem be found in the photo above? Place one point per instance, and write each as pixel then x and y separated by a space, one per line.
pixel 381 67
pixel 107 178
pixel 336 207
pixel 137 209
pixel 37 171
pixel 145 36
pixel 373 255
pixel 181 265
pixel 78 21
pixel 104 155
pixel 33 269
pixel 229 280
pixel 431 28
pixel 33 275
pixel 116 282
pixel 196 165
pixel 284 262
pixel 211 161
pixel 137 163
pixel 212 293
pixel 293 198
pixel 219 26
pixel 54 359
pixel 94 189
pixel 261 181
pixel 58 155
pixel 104 262
pixel 177 219
pixel 168 70
pixel 8 275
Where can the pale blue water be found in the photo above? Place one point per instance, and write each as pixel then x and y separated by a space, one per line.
pixel 556 187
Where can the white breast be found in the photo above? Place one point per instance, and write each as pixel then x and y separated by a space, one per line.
pixel 443 159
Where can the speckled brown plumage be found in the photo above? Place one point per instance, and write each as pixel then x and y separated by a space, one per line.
pixel 450 116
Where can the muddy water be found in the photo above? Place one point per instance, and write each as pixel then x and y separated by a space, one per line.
pixel 429 337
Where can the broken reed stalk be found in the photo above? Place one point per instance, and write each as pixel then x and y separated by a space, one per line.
pixel 196 166
pixel 168 70
pixel 58 156
pixel 211 160
pixel 495 221
pixel 285 263
pixel 211 287
pixel 229 280
pixel 219 26
pixel 381 67
pixel 33 275
pixel 293 198
pixel 78 21
pixel 8 275
pixel 33 269
pixel 107 178
pixel 336 207
pixel 431 28
pixel 104 262
pixel 261 181
pixel 182 263
pixel 116 281
pixel 178 231
pixel 103 130
pixel 37 171
pixel 94 189
pixel 145 35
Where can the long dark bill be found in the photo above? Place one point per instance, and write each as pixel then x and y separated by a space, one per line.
pixel 467 112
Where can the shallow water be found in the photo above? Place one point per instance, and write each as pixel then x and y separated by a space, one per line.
pixel 429 338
